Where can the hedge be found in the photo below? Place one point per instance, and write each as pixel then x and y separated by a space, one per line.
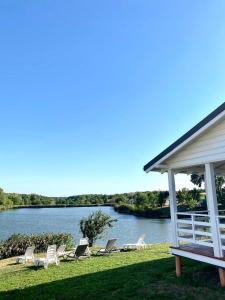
pixel 17 243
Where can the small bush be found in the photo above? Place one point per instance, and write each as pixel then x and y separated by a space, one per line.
pixel 17 243
pixel 94 225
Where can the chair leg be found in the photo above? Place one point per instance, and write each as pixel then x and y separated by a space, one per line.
pixel 178 266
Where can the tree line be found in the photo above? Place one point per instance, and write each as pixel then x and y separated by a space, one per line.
pixel 189 199
pixel 152 199
pixel 155 198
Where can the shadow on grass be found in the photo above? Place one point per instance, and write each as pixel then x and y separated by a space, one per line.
pixel 148 280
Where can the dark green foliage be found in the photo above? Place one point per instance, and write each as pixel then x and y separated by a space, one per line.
pixel 120 198
pixel 197 179
pixel 17 243
pixel 162 197
pixel 2 198
pixel 141 199
pixel 183 196
pixel 219 181
pixel 94 225
pixel 152 204
pixel 196 194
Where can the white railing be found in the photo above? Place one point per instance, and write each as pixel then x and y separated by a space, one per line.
pixel 194 228
pixel 221 226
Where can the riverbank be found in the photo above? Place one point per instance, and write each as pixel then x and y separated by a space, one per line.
pixel 54 206
pixel 146 212
pixel 144 274
pixel 61 205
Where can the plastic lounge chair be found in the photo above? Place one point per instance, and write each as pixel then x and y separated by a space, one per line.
pixel 85 241
pixel 80 252
pixel 110 247
pixel 28 256
pixel 61 251
pixel 51 258
pixel 140 243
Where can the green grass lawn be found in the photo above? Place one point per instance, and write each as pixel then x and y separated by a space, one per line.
pixel 144 274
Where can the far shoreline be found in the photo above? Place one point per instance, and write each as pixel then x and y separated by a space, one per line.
pixel 159 213
pixel 61 206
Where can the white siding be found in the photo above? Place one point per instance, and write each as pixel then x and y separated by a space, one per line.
pixel 208 147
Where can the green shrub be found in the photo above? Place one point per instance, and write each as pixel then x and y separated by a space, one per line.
pixel 17 243
pixel 94 225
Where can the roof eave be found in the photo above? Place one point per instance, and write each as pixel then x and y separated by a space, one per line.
pixel 212 118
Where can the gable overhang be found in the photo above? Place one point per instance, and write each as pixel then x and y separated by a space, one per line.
pixel 157 163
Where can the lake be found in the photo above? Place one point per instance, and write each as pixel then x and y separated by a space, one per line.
pixel 38 220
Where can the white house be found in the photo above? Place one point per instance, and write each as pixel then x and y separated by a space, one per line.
pixel 197 235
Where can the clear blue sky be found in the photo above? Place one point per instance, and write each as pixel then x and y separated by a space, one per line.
pixel 92 90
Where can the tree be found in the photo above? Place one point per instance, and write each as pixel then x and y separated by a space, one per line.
pixel 186 197
pixel 183 196
pixel 120 199
pixel 94 225
pixel 141 199
pixel 219 182
pixel 162 196
pixel 35 199
pixel 2 197
pixel 196 194
pixel 197 179
pixel 152 199
pixel 16 199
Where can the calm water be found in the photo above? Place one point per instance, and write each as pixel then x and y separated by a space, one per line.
pixel 127 229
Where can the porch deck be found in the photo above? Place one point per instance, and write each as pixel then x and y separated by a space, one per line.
pixel 199 253
pixel 199 250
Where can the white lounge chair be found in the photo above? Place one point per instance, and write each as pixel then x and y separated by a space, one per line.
pixel 61 251
pixel 51 258
pixel 139 245
pixel 28 256
pixel 110 247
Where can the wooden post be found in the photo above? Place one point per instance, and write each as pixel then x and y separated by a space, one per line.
pixel 173 206
pixel 178 265
pixel 213 208
pixel 222 277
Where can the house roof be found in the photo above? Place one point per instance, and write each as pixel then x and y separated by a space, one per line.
pixel 184 137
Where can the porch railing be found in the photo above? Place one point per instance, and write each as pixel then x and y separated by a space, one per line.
pixel 195 228
pixel 221 225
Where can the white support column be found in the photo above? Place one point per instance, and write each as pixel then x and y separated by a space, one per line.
pixel 213 208
pixel 207 202
pixel 173 206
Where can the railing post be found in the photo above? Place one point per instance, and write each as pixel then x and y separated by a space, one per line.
pixel 193 227
pixel 213 208
pixel 173 206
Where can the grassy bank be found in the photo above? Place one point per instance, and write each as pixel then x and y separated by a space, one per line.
pixel 145 274
pixel 143 211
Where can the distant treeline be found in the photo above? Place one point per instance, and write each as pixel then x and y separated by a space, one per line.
pixel 154 199
pixel 140 200
pixel 9 200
